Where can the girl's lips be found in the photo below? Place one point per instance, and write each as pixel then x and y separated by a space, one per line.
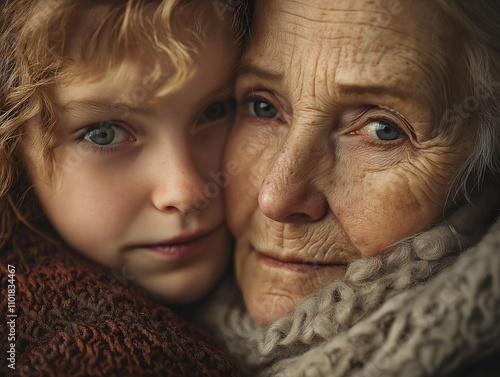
pixel 183 247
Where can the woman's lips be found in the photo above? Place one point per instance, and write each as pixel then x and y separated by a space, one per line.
pixel 294 265
pixel 183 247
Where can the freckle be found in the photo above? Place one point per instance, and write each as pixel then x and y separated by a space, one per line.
pixel 361 241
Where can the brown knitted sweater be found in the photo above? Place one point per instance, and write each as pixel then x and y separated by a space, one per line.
pixel 72 318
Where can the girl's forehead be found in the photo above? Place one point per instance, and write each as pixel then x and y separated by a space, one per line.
pixel 127 82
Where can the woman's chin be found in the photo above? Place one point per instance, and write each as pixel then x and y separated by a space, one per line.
pixel 272 288
pixel 269 307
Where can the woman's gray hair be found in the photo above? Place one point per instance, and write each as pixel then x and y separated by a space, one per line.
pixel 480 107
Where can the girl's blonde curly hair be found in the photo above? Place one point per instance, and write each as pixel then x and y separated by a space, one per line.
pixel 36 51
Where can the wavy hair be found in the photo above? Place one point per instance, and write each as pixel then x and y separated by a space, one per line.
pixel 479 105
pixel 36 51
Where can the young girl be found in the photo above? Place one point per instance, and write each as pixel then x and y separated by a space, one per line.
pixel 113 119
pixel 116 114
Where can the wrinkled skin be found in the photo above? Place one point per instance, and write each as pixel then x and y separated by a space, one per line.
pixel 338 141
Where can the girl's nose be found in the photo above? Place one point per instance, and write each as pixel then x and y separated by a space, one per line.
pixel 178 185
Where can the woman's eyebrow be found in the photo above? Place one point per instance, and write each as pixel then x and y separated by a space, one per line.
pixel 342 89
pixel 373 89
pixel 101 105
pixel 247 68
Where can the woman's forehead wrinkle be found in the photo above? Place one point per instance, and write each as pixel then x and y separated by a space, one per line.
pixel 326 46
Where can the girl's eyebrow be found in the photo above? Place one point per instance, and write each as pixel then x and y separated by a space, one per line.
pixel 104 104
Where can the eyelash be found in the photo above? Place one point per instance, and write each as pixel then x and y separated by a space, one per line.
pixel 373 114
pixel 229 106
pixel 385 144
pixel 96 148
pixel 251 97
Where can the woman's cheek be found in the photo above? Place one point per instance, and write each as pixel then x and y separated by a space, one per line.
pixel 251 152
pixel 383 208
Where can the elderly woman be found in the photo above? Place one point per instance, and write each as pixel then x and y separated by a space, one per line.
pixel 362 124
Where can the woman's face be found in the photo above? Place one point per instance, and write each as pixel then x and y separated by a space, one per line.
pixel 338 140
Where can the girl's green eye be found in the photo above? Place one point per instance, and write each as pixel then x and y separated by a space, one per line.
pixel 107 134
pixel 216 111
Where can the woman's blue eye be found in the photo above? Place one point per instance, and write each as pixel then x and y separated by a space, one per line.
pixel 106 134
pixel 263 109
pixel 382 131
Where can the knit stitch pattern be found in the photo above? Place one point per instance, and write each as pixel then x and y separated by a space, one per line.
pixel 78 319
pixel 432 330
pixel 421 310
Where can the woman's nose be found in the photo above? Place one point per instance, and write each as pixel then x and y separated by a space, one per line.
pixel 288 192
pixel 178 186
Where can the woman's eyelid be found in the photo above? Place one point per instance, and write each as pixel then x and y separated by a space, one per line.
pixel 264 96
pixel 371 128
pixel 378 114
pixel 397 120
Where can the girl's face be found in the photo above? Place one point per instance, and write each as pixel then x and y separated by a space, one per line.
pixel 138 184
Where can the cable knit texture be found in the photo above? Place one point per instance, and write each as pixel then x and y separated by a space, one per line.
pixel 421 310
pixel 433 330
pixel 78 319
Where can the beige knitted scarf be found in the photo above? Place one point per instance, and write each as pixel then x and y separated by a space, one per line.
pixel 419 311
